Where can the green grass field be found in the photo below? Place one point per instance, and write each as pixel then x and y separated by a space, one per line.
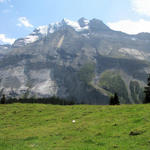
pixel 50 127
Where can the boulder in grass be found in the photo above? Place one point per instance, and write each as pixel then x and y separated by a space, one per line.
pixel 135 133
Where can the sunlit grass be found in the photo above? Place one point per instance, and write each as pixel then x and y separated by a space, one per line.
pixel 82 127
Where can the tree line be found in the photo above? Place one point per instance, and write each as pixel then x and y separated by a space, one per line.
pixel 49 100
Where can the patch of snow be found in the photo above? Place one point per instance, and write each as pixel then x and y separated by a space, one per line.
pixel 133 52
pixel 75 25
pixel 86 21
pixel 133 39
pixel 51 30
pixel 30 39
pixel 53 27
pixel 43 29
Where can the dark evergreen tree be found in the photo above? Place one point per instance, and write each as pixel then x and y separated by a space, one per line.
pixel 111 101
pixel 3 99
pixel 114 100
pixel 147 91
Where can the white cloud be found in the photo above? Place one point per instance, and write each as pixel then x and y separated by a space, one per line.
pixel 1 1
pixel 130 27
pixel 6 40
pixel 141 6
pixel 23 21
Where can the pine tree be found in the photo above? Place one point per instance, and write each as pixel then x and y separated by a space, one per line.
pixel 147 91
pixel 3 99
pixel 114 100
pixel 111 101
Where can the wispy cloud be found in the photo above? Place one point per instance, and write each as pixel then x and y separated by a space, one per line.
pixel 6 40
pixel 141 6
pixel 130 27
pixel 1 1
pixel 23 21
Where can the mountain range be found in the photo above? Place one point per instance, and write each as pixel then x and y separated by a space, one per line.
pixel 85 61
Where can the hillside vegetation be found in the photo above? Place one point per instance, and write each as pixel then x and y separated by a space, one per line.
pixel 112 82
pixel 51 127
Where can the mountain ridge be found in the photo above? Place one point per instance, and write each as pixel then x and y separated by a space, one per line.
pixel 77 25
pixel 84 61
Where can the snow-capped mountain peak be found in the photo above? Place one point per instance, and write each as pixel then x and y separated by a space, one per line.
pixel 83 22
pixel 78 26
pixel 30 39
pixel 43 30
pixel 68 22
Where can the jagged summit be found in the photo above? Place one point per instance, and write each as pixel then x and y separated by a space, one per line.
pixel 98 25
pixel 83 22
pixel 81 25
pixel 74 24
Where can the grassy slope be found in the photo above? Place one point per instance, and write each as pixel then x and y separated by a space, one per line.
pixel 49 127
pixel 112 82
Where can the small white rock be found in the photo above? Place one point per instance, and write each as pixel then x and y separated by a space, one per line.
pixel 73 121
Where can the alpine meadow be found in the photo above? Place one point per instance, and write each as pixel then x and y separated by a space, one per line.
pixel 75 75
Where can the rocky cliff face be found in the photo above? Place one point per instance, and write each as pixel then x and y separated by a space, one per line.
pixel 85 61
pixel 4 49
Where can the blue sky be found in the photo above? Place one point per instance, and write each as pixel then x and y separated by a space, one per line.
pixel 18 18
